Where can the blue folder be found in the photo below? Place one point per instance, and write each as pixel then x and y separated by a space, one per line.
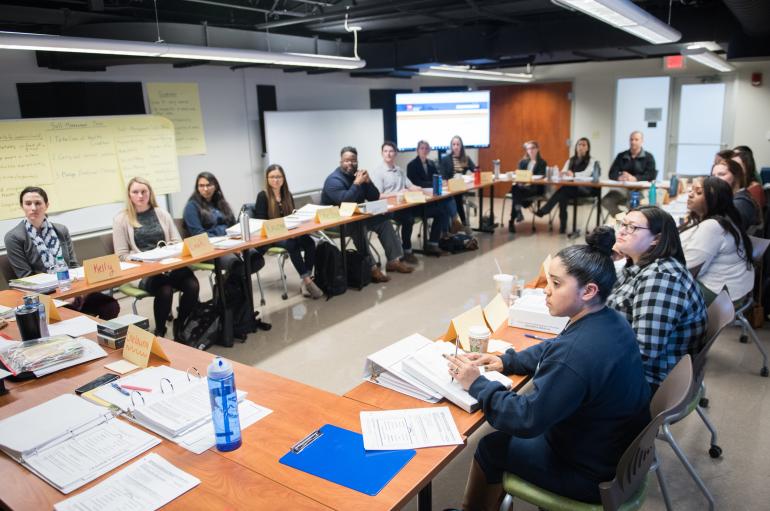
pixel 338 455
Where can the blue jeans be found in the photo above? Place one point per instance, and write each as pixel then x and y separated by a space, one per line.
pixel 435 210
pixel 295 247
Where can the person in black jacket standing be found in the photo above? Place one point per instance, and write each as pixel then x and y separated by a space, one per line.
pixel 633 165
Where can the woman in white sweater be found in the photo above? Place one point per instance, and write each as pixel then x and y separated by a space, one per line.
pixel 717 249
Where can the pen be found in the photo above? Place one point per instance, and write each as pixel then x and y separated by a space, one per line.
pixel 457 341
pixel 120 389
pixel 134 387
pixel 537 337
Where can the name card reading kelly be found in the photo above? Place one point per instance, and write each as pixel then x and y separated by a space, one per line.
pixel 139 344
pixel 330 214
pixel 414 197
pixel 101 268
pixel 523 176
pixel 273 228
pixel 197 245
pixel 348 209
pixel 456 184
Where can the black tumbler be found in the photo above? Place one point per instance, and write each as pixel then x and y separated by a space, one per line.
pixel 28 320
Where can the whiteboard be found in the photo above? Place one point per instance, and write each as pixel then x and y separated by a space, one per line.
pixel 307 143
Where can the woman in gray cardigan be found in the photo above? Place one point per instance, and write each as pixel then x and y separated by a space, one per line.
pixel 140 227
pixel 35 243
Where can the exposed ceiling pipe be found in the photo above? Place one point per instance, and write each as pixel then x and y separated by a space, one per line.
pixel 753 15
pixel 245 8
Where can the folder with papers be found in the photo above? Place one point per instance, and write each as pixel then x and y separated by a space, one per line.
pixel 338 455
pixel 68 441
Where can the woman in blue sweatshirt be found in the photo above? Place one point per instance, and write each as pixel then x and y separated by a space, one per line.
pixel 589 399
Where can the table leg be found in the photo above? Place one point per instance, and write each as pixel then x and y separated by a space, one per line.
pixel 425 498
pixel 481 227
pixel 344 252
pixel 227 315
pixel 599 207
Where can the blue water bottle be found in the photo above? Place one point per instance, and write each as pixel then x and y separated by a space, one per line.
pixel 224 405
pixel 653 196
pixel 633 202
pixel 436 184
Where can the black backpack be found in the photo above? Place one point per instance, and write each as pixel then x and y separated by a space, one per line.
pixel 329 274
pixel 202 327
pixel 359 273
pixel 458 243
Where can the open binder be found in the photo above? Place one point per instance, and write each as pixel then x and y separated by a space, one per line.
pixel 68 441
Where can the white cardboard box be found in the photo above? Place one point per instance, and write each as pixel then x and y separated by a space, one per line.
pixel 530 312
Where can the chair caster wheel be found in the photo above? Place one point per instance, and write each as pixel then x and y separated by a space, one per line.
pixel 744 339
pixel 704 402
pixel 285 296
pixel 715 451
pixel 764 372
pixel 262 302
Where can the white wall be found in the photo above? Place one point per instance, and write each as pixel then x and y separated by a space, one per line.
pixel 752 112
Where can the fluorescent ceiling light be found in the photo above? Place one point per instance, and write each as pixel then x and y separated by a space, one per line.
pixel 708 58
pixel 625 15
pixel 467 73
pixel 21 41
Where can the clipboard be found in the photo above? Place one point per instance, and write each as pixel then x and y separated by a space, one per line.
pixel 338 455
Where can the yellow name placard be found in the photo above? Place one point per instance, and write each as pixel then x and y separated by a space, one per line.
pixel 457 184
pixel 523 176
pixel 274 227
pixel 139 344
pixel 487 177
pixel 348 209
pixel 51 312
pixel 414 197
pixel 197 245
pixel 101 268
pixel 330 214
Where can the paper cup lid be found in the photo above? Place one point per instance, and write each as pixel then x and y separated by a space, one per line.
pixel 478 331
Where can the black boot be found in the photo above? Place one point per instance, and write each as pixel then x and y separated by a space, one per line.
pixel 511 226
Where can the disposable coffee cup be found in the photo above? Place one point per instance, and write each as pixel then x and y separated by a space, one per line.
pixel 504 285
pixel 478 339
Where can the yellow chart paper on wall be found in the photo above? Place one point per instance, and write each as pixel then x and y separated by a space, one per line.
pixel 496 312
pixel 523 176
pixel 457 184
pixel 330 214
pixel 274 227
pixel 139 344
pixel 414 197
pixel 84 161
pixel 197 245
pixel 459 326
pixel 180 103
pixel 348 209
pixel 101 268
pixel 51 312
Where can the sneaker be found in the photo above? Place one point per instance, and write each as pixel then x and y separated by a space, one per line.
pixel 410 258
pixel 378 276
pixel 313 291
pixel 468 230
pixel 435 250
pixel 398 267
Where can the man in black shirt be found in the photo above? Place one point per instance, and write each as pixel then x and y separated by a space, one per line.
pixel 636 164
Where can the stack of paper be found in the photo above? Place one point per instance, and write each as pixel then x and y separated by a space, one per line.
pixel 531 312
pixel 40 283
pixel 255 227
pixel 409 429
pixel 159 253
pixel 91 351
pixel 147 484
pixel 68 441
pixel 429 366
pixel 306 213
pixel 177 407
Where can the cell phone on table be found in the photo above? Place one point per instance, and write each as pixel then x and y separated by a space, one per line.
pixel 98 382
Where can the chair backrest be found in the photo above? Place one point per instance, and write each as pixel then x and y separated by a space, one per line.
pixel 636 461
pixel 108 245
pixel 720 314
pixel 179 222
pixel 760 247
pixel 6 268
pixel 250 208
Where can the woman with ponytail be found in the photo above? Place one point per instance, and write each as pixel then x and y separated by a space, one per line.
pixel 589 397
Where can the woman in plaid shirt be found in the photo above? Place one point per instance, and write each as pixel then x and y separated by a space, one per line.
pixel 656 293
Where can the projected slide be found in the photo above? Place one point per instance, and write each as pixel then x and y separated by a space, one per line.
pixel 438 116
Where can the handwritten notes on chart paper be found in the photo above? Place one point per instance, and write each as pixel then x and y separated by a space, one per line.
pixel 72 158
pixel 180 103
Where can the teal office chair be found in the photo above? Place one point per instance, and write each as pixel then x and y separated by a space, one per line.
pixel 628 490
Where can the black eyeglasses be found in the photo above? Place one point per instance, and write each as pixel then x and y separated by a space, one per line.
pixel 629 228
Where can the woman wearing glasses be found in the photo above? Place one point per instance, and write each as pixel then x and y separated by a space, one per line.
pixel 716 247
pixel 656 293
pixel 141 227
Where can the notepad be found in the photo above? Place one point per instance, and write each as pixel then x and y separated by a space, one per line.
pixel 338 455
pixel 145 485
pixel 69 441
pixel 409 429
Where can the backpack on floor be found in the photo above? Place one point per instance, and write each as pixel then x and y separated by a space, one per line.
pixel 458 243
pixel 202 326
pixel 329 274
pixel 359 273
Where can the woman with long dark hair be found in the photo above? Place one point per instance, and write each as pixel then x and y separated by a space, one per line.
pixel 730 171
pixel 656 293
pixel 276 201
pixel 206 209
pixel 717 249
pixel 520 195
pixel 581 163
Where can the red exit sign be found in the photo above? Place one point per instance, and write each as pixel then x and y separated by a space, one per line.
pixel 674 62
